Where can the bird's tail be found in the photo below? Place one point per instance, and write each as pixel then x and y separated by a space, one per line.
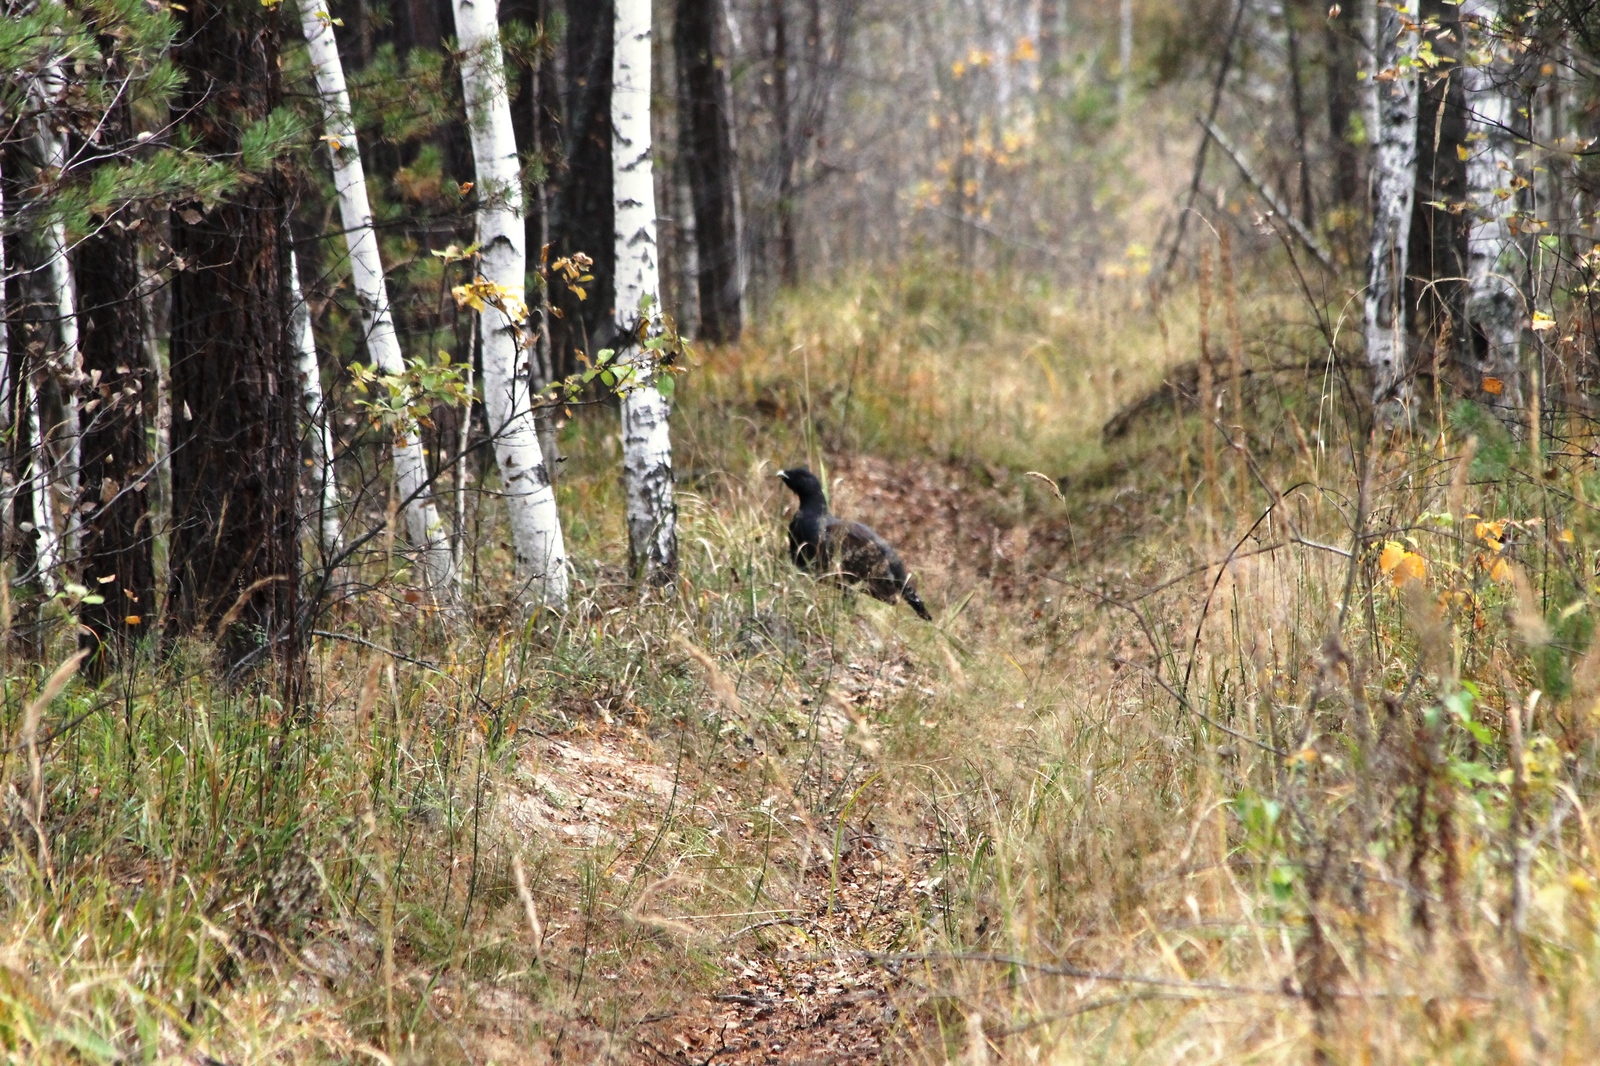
pixel 909 594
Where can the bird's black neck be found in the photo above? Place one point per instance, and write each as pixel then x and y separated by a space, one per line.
pixel 813 503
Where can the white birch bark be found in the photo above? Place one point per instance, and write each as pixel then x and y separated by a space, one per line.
pixel 35 471
pixel 541 554
pixel 646 440
pixel 65 297
pixel 324 482
pixel 1394 167
pixel 1124 53
pixel 1495 306
pixel 7 486
pixel 47 89
pixel 423 526
pixel 161 505
pixel 47 542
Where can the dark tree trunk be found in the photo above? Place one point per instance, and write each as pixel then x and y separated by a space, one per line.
pixel 582 216
pixel 788 257
pixel 1339 66
pixel 1291 26
pixel 528 121
pixel 421 24
pixel 705 109
pixel 531 124
pixel 234 548
pixel 117 561
pixel 1049 45
pixel 1437 259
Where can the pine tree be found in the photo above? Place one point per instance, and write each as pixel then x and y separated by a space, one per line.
pixel 117 562
pixel 706 111
pixel 235 551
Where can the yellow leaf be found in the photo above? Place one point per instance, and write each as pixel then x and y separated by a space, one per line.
pixel 1462 152
pixel 1500 571
pixel 133 619
pixel 1565 536
pixel 1392 554
pixel 1542 322
pixel 1412 567
pixel 1493 386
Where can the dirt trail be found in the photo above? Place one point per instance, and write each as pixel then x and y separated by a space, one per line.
pixel 811 986
pixel 806 989
pixel 806 982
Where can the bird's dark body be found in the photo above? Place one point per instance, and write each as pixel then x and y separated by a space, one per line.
pixel 850 552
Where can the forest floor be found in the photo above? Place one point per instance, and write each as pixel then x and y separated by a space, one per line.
pixel 1101 810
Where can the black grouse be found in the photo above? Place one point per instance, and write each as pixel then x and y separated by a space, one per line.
pixel 848 551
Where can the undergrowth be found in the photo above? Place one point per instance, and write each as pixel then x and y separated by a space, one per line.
pixel 1270 737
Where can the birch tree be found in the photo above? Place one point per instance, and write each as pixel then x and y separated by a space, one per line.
pixel 19 413
pixel 1494 305
pixel 1124 53
pixel 1394 167
pixel 646 440
pixel 52 147
pixel 22 408
pixel 325 485
pixel 541 555
pixel 423 526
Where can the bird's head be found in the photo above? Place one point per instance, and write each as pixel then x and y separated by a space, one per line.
pixel 804 484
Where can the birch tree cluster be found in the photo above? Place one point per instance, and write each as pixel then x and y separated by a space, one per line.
pixel 270 306
pixel 284 279
pixel 1430 159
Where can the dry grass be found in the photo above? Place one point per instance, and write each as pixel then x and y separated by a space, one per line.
pixel 1134 798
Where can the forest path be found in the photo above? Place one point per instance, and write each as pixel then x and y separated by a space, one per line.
pixel 812 985
pixel 806 987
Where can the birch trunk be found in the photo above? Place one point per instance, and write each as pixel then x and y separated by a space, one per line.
pixel 1494 304
pixel 34 469
pixel 325 485
pixel 1394 181
pixel 426 532
pixel 8 412
pixel 507 396
pixel 47 542
pixel 646 441
pixel 1124 53
pixel 65 298
pixel 47 91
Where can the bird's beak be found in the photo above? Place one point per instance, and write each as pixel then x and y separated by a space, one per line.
pixel 780 476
